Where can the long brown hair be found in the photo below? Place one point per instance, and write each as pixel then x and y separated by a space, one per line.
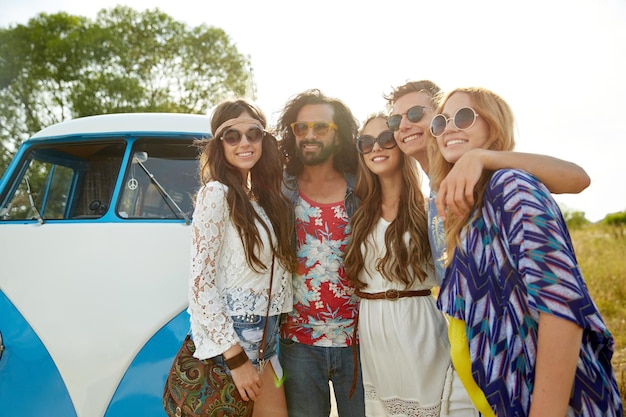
pixel 500 121
pixel 400 258
pixel 266 180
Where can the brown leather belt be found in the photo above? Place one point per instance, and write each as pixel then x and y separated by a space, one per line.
pixel 392 295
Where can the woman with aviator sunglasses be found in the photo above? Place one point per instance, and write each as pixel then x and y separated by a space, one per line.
pixel 403 343
pixel 527 339
pixel 242 227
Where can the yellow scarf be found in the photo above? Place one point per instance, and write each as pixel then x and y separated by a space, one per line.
pixel 459 351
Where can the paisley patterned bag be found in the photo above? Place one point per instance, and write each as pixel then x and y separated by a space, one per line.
pixel 202 388
pixel 197 387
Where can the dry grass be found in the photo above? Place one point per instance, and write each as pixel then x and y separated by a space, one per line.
pixel 601 253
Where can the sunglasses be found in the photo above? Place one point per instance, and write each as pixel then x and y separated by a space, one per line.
pixel 463 119
pixel 414 114
pixel 233 136
pixel 320 129
pixel 365 143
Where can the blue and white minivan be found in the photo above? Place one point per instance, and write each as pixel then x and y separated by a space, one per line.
pixel 94 264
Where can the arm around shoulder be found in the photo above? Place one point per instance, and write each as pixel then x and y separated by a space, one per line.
pixel 558 175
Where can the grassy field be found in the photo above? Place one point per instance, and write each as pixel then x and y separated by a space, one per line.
pixel 601 253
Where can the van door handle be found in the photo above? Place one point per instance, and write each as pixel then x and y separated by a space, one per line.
pixel 1 345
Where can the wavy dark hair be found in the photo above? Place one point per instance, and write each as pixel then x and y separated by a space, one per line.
pixel 345 156
pixel 404 261
pixel 266 180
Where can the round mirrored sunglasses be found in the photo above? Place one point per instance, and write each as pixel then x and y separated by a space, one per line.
pixel 463 119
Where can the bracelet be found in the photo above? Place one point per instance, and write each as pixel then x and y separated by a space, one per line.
pixel 237 360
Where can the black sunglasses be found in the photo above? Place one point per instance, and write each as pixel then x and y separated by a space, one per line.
pixel 414 114
pixel 233 136
pixel 365 143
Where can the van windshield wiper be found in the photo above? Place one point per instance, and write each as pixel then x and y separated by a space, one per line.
pixel 139 158
pixel 32 202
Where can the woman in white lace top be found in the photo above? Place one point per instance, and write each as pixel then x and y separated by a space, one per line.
pixel 242 225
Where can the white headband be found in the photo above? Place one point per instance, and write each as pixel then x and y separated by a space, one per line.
pixel 236 121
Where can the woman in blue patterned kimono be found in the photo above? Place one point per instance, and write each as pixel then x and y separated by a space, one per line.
pixel 526 337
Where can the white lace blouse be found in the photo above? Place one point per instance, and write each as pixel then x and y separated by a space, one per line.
pixel 222 284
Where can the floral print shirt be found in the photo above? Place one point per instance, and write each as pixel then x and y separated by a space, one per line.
pixel 325 307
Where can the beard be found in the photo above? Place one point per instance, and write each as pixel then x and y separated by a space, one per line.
pixel 316 157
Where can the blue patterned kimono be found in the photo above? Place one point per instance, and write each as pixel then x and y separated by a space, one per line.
pixel 517 260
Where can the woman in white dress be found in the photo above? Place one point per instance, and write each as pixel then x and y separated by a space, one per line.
pixel 404 347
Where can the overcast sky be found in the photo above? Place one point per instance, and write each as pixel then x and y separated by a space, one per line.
pixel 560 63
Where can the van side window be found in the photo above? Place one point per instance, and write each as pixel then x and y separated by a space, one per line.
pixel 161 180
pixel 64 181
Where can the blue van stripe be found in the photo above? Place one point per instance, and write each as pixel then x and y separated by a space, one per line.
pixel 27 368
pixel 140 390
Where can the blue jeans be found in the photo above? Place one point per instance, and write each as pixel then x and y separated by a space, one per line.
pixel 307 372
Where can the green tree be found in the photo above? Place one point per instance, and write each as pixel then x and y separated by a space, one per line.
pixel 575 219
pixel 617 221
pixel 60 67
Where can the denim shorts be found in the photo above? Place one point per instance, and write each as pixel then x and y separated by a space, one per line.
pixel 249 329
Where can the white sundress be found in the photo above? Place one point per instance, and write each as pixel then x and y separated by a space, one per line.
pixel 405 354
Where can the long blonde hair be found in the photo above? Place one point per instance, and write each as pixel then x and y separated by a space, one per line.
pixel 501 137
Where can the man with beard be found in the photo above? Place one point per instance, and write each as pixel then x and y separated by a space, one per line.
pixel 318 337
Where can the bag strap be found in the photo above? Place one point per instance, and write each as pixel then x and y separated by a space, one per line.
pixel 267 315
